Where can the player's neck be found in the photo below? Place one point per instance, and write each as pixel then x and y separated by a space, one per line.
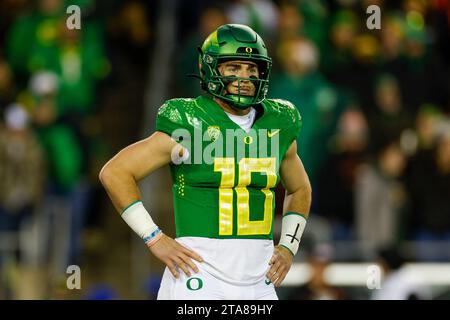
pixel 227 108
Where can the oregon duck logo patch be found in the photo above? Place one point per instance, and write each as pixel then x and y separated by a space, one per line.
pixel 213 132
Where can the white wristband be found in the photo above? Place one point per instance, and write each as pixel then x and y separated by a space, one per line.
pixel 140 221
pixel 292 228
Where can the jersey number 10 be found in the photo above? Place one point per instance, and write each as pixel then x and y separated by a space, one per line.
pixel 246 166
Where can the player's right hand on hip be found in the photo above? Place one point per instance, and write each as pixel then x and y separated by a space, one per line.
pixel 174 255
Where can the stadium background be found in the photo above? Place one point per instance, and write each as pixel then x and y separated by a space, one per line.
pixel 375 138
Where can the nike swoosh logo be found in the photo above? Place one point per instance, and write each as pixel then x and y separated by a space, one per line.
pixel 271 133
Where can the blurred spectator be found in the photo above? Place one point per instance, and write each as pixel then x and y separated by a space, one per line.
pixel 418 6
pixel 260 15
pixel 290 22
pixel 397 283
pixel 317 288
pixel 22 170
pixel 388 118
pixel 364 71
pixel 417 77
pixel 65 191
pixel 80 63
pixel 59 141
pixel 33 30
pixel 365 49
pixel 40 40
pixel 380 198
pixel 350 60
pixel 429 181
pixel 344 27
pixel 131 31
pixel 300 82
pixel 9 10
pixel 77 57
pixel 422 73
pixel 210 19
pixel 426 122
pixel 315 26
pixel 130 48
pixel 439 24
pixel 7 89
pixel 392 38
pixel 336 184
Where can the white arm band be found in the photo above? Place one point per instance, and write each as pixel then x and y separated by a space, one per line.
pixel 141 222
pixel 292 228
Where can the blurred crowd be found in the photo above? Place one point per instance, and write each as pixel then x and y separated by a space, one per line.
pixel 69 99
pixel 375 105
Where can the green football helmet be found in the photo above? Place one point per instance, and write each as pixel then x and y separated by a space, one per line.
pixel 234 42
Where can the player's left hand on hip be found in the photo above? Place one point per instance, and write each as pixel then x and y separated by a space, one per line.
pixel 280 263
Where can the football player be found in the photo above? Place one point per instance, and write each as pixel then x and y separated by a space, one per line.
pixel 224 206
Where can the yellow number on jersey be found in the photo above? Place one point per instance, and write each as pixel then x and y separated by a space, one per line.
pixel 246 167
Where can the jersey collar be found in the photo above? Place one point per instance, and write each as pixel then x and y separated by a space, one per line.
pixel 213 106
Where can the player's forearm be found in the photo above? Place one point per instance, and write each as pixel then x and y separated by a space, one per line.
pixel 296 182
pixel 123 190
pixel 121 186
pixel 298 200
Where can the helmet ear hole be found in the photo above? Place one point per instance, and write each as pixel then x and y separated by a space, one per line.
pixel 263 68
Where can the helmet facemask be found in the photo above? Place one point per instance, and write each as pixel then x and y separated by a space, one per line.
pixel 217 83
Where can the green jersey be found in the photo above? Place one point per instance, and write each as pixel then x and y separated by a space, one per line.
pixel 225 188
